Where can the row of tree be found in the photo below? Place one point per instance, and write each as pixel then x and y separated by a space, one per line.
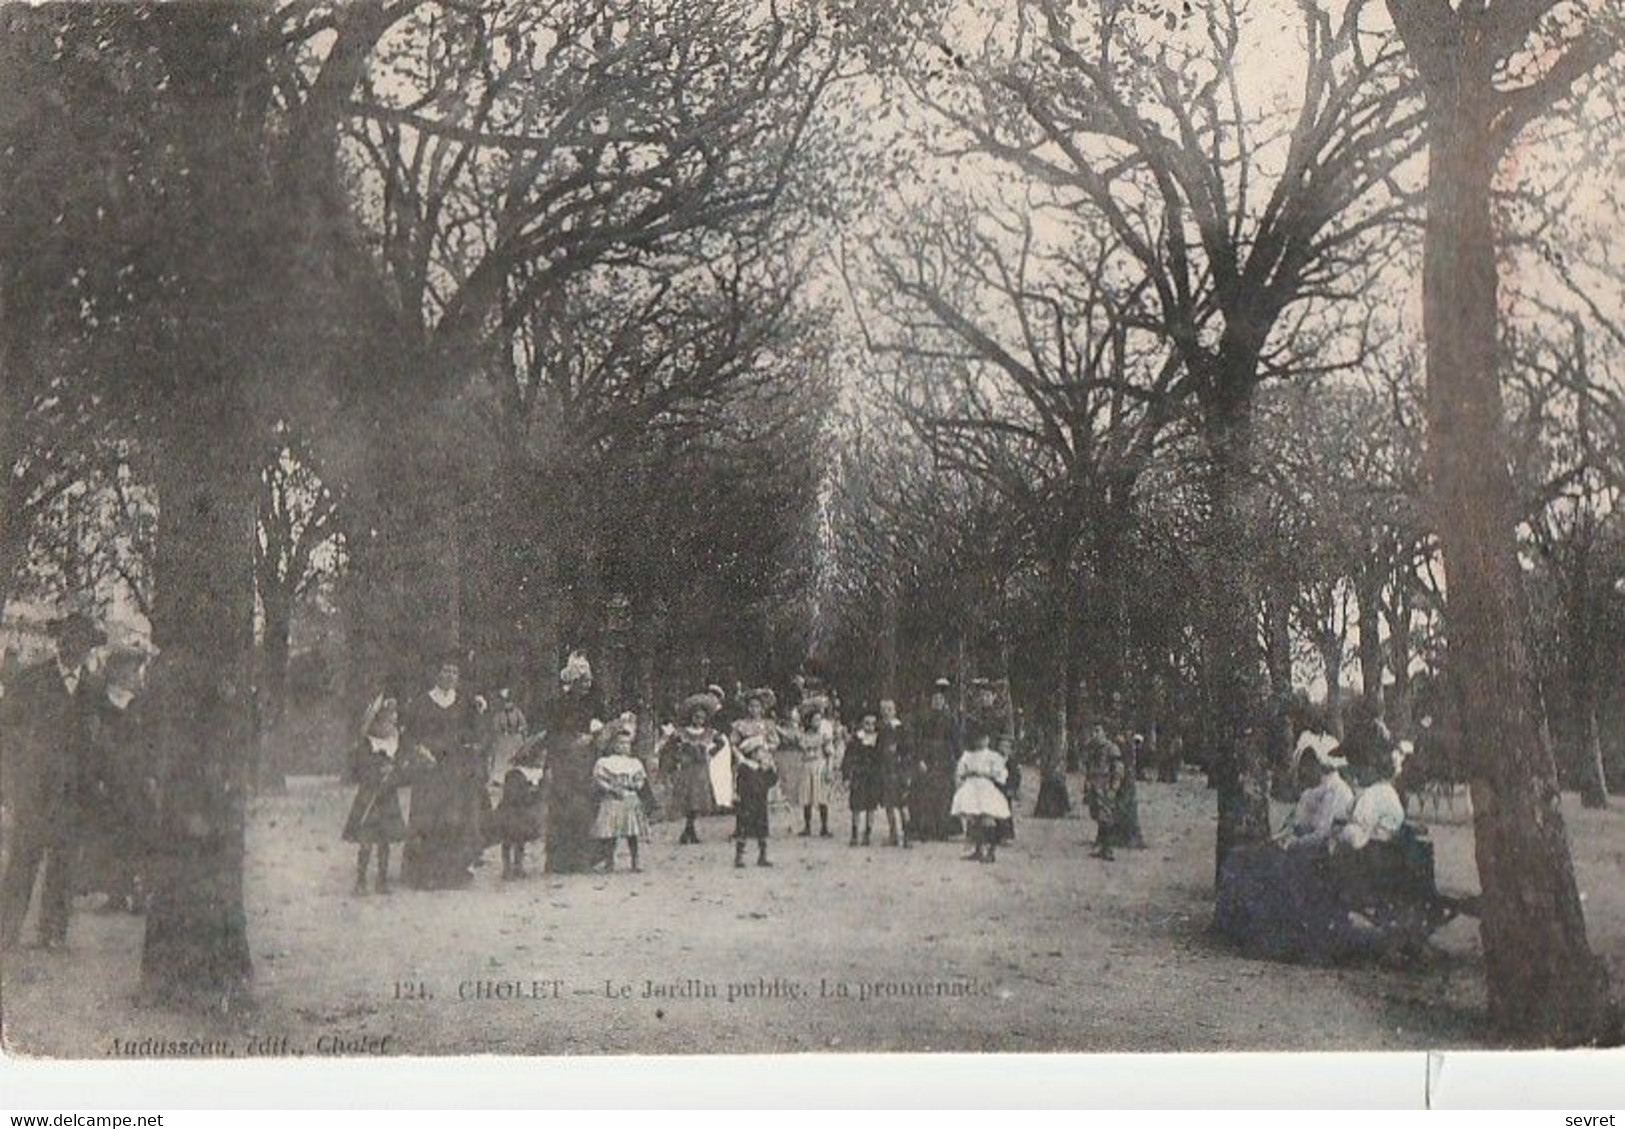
pixel 487 316
pixel 515 325
pixel 1144 345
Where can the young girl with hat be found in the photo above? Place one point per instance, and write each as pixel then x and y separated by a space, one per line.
pixel 687 755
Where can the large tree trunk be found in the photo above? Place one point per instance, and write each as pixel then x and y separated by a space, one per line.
pixel 1586 758
pixel 1400 720
pixel 1278 645
pixel 1240 742
pixel 15 352
pixel 402 566
pixel 1066 603
pixel 213 327
pixel 1331 661
pixel 888 636
pixel 196 950
pixel 1545 984
pixel 1593 772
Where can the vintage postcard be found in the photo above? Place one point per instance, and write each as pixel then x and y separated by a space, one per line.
pixel 669 527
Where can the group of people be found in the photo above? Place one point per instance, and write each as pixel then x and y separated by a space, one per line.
pixel 576 783
pixel 78 800
pixel 443 776
pixel 1329 816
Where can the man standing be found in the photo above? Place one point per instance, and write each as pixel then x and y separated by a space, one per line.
pixel 44 733
pixel 1106 775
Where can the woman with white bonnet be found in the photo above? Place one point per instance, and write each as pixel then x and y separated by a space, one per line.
pixel 1327 799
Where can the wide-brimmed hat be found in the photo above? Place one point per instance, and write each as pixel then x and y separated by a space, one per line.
pixel 764 695
pixel 702 701
pixel 1321 746
pixel 942 684
pixel 815 703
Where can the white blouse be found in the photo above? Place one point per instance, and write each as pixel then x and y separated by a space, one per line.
pixel 1377 817
pixel 1320 809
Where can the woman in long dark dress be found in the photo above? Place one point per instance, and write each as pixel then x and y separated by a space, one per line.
pixel 937 745
pixel 570 796
pixel 1054 801
pixel 444 836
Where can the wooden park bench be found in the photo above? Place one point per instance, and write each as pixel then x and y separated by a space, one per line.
pixel 1316 907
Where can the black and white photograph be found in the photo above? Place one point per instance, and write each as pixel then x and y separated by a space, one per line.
pixel 696 527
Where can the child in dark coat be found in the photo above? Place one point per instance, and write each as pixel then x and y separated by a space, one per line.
pixel 517 820
pixel 375 821
pixel 754 777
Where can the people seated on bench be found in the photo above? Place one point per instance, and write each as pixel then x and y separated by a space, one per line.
pixel 1327 800
pixel 1378 813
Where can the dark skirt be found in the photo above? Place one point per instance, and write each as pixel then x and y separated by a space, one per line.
pixel 752 789
pixel 930 804
pixel 445 828
pixel 1054 802
pixel 571 808
pixel 691 791
pixel 518 815
pixel 1012 792
pixel 893 784
pixel 867 792
pixel 375 815
pixel 1127 820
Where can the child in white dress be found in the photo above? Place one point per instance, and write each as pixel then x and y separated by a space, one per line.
pixel 979 799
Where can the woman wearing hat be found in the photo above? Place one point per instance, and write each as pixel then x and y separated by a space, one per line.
pixel 444 833
pixel 1378 813
pixel 45 726
pixel 937 743
pixel 687 754
pixel 1327 799
pixel 570 798
pixel 113 779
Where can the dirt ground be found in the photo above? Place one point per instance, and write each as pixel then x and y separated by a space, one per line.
pixel 834 949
